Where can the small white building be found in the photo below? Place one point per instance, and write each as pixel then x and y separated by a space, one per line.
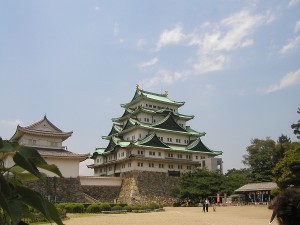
pixel 47 139
pixel 153 136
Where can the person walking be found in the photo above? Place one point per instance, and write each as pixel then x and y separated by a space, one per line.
pixel 203 205
pixel 206 203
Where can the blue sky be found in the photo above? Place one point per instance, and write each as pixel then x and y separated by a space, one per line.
pixel 236 64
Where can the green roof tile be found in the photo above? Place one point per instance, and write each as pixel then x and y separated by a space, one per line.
pixel 140 94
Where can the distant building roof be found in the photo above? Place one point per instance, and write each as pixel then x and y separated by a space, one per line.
pixel 49 129
pixel 265 186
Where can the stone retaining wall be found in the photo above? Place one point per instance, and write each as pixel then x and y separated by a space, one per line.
pixel 142 187
pixel 102 193
pixel 59 189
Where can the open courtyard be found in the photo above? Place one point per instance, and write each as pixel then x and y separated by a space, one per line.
pixel 230 215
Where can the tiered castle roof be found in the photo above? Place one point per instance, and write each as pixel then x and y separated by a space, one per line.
pixel 168 124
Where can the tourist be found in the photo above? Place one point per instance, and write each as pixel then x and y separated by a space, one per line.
pixel 206 203
pixel 203 205
pixel 286 208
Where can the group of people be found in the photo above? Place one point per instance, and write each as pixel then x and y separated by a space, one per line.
pixel 205 205
pixel 286 207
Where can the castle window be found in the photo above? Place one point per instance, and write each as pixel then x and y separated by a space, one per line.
pixel 151 164
pixel 171 166
pixel 179 166
pixel 162 138
pixel 140 164
pixel 140 135
pixel 170 155
pixel 129 164
pixel 177 140
pixel 140 152
pixel 150 106
pixel 188 156
pixel 97 160
pixel 154 106
pixel 179 156
pixel 161 165
pixel 196 157
pixel 159 153
pixel 169 139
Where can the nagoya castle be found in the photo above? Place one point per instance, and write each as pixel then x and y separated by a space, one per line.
pixel 153 136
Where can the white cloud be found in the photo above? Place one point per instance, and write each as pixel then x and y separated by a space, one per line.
pixel 163 77
pixel 289 79
pixel 12 123
pixel 297 26
pixel 141 43
pixel 231 33
pixel 169 37
pixel 116 29
pixel 210 64
pixel 213 43
pixel 291 45
pixel 293 3
pixel 151 62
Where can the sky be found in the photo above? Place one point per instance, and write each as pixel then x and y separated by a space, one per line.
pixel 236 64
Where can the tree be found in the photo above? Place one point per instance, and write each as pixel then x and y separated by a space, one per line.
pixel 199 184
pixel 287 171
pixel 15 198
pixel 260 159
pixel 296 127
pixel 234 179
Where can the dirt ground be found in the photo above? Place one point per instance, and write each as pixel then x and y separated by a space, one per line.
pixel 230 215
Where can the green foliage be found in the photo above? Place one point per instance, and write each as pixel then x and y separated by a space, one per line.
pixel 199 184
pixel 296 127
pixel 287 172
pixel 234 179
pixel 260 159
pixel 116 207
pixel 94 208
pixel 15 198
pixel 128 208
pixel 72 207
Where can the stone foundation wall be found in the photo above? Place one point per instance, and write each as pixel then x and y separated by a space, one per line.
pixel 102 193
pixel 59 189
pixel 142 187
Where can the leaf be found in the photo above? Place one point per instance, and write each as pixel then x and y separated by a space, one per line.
pixel 13 207
pixel 8 146
pixel 26 164
pixel 36 201
pixel 32 155
pixel 4 186
pixel 52 168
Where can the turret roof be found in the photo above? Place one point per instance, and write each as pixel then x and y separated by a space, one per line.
pixel 130 112
pixel 141 94
pixel 49 129
pixel 167 124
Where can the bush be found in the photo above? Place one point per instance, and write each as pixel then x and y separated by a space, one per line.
pixel 136 207
pixel 71 207
pixel 94 208
pixel 105 207
pixel 128 208
pixel 116 208
pixel 152 206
